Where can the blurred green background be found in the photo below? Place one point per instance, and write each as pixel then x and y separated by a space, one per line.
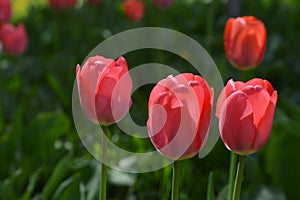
pixel 41 156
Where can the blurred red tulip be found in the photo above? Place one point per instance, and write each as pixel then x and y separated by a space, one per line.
pixel 134 9
pixel 104 87
pixel 14 40
pixel 245 41
pixel 94 2
pixel 179 115
pixel 163 3
pixel 245 112
pixel 61 4
pixel 5 10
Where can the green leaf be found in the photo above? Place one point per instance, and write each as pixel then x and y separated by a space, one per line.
pixel 59 173
pixel 68 189
pixel 34 177
pixel 7 186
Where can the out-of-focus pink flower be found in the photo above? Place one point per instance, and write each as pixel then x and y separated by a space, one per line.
pixel 245 41
pixel 245 112
pixel 61 4
pixel 104 87
pixel 134 9
pixel 14 40
pixel 179 115
pixel 163 3
pixel 5 10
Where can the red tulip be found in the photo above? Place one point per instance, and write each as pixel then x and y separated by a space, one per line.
pixel 94 2
pixel 5 10
pixel 245 112
pixel 104 87
pixel 14 40
pixel 179 115
pixel 163 3
pixel 245 41
pixel 134 9
pixel 61 4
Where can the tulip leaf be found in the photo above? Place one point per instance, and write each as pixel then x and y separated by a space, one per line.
pixel 58 174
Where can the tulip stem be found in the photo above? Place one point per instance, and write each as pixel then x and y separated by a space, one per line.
pixel 232 169
pixel 175 180
pixel 102 189
pixel 239 178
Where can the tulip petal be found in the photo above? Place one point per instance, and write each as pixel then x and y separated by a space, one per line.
pixel 162 114
pixel 265 125
pixel 263 83
pixel 86 101
pixel 251 49
pixel 261 34
pixel 230 87
pixel 259 99
pixel 227 34
pixel 236 123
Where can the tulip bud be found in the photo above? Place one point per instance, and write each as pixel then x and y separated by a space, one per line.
pixel 245 112
pixel 134 9
pixel 245 41
pixel 163 3
pixel 14 40
pixel 5 10
pixel 61 4
pixel 104 87
pixel 179 115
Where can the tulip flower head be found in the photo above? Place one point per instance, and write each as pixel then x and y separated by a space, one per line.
pixel 245 112
pixel 62 4
pixel 104 87
pixel 5 10
pixel 245 41
pixel 134 9
pixel 14 39
pixel 179 115
pixel 163 3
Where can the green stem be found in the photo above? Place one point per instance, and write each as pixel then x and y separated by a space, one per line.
pixel 210 188
pixel 239 178
pixel 102 192
pixel 232 169
pixel 175 180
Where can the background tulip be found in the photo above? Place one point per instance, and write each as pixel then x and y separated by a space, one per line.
pixel 5 10
pixel 179 115
pixel 104 89
pixel 245 112
pixel 61 4
pixel 134 9
pixel 163 3
pixel 14 40
pixel 245 41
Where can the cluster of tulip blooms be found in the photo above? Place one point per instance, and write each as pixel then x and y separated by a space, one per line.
pixel 13 39
pixel 180 107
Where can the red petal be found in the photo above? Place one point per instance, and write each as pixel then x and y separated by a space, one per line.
pixel 230 87
pixel 259 99
pixel 86 97
pixel 236 123
pixel 265 125
pixel 263 83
